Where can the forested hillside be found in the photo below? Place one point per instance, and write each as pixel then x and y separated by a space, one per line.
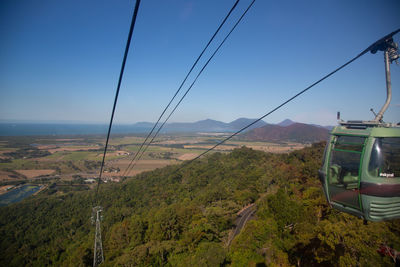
pixel 183 218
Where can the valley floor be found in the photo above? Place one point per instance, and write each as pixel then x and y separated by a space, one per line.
pixel 75 160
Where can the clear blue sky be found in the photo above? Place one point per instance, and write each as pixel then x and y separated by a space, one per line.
pixel 60 60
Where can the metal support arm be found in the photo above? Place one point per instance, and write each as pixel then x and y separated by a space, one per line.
pixel 379 116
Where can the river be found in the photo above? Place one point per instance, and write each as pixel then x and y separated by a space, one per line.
pixel 18 194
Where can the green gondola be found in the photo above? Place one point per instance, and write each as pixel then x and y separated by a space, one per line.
pixel 361 170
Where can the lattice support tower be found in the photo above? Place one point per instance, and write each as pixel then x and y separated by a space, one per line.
pixel 98 256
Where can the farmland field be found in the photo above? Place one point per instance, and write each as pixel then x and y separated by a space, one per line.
pixel 35 173
pixel 75 161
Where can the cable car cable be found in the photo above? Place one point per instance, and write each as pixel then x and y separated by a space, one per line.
pixel 373 48
pixel 181 85
pixel 134 16
pixel 198 75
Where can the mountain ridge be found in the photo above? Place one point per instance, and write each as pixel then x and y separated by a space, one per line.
pixel 210 125
pixel 296 132
pixel 204 126
pixel 207 125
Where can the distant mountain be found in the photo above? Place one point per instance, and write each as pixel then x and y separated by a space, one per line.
pixel 296 132
pixel 286 122
pixel 210 125
pixel 243 122
pixel 207 125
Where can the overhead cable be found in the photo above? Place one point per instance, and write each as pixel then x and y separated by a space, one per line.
pixel 198 75
pixel 371 48
pixel 128 42
pixel 180 87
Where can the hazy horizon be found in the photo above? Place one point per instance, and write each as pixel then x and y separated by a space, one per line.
pixel 61 60
pixel 131 123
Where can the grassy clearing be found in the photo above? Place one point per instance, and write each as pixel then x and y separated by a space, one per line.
pixel 132 148
pixel 80 155
pixel 56 156
pixel 18 164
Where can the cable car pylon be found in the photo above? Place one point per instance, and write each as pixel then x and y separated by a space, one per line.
pixel 98 256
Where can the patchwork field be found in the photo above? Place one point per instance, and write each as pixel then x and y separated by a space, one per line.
pixel 74 160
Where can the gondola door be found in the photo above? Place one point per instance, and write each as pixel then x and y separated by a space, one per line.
pixel 344 170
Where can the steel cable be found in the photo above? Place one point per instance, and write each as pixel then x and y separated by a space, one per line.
pixel 134 16
pixel 190 87
pixel 370 48
pixel 180 87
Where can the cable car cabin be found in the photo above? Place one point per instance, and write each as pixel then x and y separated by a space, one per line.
pixel 361 170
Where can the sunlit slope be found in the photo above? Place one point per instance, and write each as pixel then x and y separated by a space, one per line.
pixel 171 218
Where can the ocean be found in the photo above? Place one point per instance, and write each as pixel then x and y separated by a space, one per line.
pixel 29 129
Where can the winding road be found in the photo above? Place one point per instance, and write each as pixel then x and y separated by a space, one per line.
pixel 243 216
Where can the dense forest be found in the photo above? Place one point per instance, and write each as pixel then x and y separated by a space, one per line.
pixel 183 217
